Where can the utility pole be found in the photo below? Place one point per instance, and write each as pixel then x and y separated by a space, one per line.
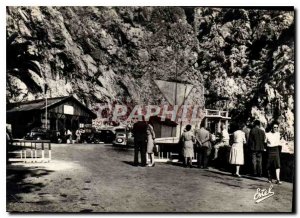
pixel 46 107
pixel 176 57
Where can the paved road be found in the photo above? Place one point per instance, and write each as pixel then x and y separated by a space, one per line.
pixel 100 178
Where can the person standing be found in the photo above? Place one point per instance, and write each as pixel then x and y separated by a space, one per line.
pixel 150 144
pixel 247 153
pixel 8 143
pixel 78 135
pixel 256 144
pixel 203 140
pixel 224 140
pixel 188 139
pixel 273 143
pixel 236 156
pixel 139 131
pixel 69 136
pixel 246 130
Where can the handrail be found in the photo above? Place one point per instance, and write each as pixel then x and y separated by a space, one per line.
pixel 27 140
pixel 212 112
pixel 33 146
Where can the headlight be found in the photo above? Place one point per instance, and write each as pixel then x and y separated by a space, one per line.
pixel 119 140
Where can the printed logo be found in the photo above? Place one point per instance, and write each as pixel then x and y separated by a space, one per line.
pixel 263 194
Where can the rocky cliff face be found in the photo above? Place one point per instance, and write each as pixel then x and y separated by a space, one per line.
pixel 112 54
pixel 248 55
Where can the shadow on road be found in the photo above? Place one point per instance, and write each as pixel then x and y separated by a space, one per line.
pixel 178 164
pixel 261 179
pixel 122 148
pixel 16 181
pixel 129 163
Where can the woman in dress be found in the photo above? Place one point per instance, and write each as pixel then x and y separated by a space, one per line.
pixel 236 156
pixel 150 144
pixel 188 139
pixel 273 151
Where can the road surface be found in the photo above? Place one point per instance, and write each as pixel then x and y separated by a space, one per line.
pixel 101 178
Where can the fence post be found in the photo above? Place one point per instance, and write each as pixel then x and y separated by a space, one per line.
pixel 21 150
pixel 24 144
pixel 35 152
pixel 31 152
pixel 43 151
pixel 49 151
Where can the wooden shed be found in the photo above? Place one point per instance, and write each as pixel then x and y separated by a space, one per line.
pixel 166 128
pixel 62 113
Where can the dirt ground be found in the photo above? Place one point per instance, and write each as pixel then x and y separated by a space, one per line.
pixel 101 178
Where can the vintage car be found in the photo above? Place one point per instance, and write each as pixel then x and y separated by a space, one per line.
pixel 123 137
pixel 106 135
pixel 91 135
pixel 44 134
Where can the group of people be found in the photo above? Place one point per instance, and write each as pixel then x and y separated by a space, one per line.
pixel 66 135
pixel 256 141
pixel 201 141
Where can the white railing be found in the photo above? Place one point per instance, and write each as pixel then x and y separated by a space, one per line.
pixel 170 157
pixel 216 113
pixel 166 154
pixel 35 148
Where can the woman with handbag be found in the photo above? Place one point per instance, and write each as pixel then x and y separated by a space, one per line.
pixel 150 144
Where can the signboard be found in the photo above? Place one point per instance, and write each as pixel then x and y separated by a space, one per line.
pixel 174 92
pixel 68 109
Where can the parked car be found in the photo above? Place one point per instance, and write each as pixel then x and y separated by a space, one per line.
pixel 87 135
pixel 106 135
pixel 123 137
pixel 44 134
pixel 120 139
pixel 91 135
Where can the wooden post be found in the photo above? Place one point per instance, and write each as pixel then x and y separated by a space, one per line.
pixel 21 150
pixel 24 144
pixel 46 112
pixel 31 151
pixel 35 152
pixel 50 151
pixel 43 151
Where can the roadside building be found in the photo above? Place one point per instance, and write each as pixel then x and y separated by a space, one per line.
pixel 61 112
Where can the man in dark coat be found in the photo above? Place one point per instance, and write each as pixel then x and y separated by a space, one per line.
pixel 256 143
pixel 139 131
pixel 247 152
pixel 203 140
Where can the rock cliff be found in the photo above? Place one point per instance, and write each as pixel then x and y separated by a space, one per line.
pixel 113 54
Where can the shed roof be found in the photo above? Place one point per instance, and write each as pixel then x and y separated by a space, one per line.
pixel 166 121
pixel 40 104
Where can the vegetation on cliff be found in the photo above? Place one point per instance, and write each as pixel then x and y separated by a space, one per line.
pixel 112 54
